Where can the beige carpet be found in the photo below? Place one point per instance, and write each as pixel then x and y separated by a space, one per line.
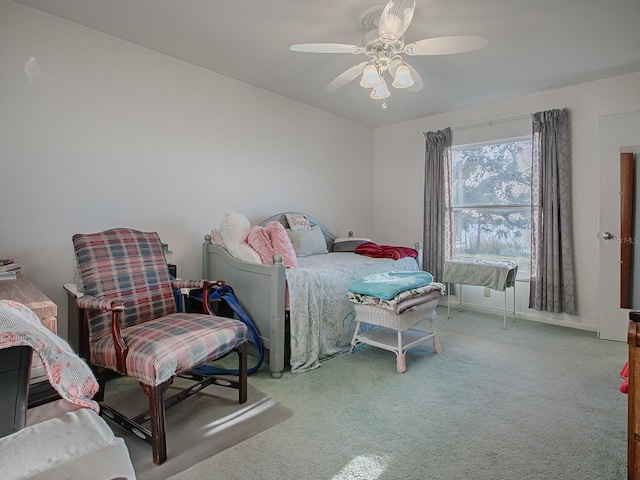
pixel 198 428
pixel 532 402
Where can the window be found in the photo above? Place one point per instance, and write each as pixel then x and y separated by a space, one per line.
pixel 491 201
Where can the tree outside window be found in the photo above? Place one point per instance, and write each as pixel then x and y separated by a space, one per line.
pixel 491 195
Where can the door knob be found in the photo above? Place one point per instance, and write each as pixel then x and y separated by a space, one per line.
pixel 607 236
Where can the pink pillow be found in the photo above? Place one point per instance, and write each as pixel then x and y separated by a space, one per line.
pixel 281 244
pixel 259 240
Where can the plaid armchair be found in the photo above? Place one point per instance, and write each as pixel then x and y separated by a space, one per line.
pixel 130 325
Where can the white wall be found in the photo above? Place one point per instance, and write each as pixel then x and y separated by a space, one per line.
pixel 399 155
pixel 97 133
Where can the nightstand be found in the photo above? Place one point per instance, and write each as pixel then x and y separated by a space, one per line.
pixel 23 291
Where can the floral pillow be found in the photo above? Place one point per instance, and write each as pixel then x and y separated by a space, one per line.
pixel 297 222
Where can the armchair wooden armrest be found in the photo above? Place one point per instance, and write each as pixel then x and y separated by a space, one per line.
pixel 89 302
pixel 205 285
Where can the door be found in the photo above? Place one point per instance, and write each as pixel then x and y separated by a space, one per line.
pixel 618 133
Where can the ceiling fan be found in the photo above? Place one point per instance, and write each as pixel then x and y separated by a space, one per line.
pixel 384 46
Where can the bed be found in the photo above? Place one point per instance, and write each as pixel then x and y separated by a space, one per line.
pixel 301 313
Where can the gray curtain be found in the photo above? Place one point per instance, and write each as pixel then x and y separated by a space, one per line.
pixel 551 284
pixel 437 202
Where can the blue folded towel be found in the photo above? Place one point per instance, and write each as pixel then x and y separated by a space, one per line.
pixel 388 285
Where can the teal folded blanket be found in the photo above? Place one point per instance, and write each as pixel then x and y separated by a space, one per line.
pixel 388 285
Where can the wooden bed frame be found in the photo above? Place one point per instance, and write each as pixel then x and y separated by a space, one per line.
pixel 260 290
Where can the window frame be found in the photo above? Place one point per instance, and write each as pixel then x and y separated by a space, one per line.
pixel 522 273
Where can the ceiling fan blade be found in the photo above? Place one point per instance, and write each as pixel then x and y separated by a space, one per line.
pixel 345 77
pixel 395 19
pixel 418 84
pixel 445 45
pixel 326 48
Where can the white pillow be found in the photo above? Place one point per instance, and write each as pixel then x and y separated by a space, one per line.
pixel 234 228
pixel 308 242
pixel 216 239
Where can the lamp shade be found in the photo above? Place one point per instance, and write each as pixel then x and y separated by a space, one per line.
pixel 370 77
pixel 380 91
pixel 402 78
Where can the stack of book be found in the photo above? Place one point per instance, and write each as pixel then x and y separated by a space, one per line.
pixel 8 268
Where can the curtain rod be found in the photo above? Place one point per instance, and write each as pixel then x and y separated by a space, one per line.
pixel 490 123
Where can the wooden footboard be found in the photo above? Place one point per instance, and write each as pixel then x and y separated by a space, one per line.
pixel 260 290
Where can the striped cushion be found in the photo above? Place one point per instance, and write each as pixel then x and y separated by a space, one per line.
pixel 160 349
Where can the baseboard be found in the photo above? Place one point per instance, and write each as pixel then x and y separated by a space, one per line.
pixel 534 317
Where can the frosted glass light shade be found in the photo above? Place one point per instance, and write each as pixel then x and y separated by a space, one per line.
pixel 380 91
pixel 370 77
pixel 403 77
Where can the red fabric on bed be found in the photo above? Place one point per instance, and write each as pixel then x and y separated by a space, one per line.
pixel 370 249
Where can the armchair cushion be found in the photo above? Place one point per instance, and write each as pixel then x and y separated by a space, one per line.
pixel 160 349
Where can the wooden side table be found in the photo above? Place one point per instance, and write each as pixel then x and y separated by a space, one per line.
pixel 23 291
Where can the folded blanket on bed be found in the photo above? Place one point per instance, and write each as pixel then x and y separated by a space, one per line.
pixel 374 250
pixel 389 284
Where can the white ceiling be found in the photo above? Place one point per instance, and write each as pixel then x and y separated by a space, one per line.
pixel 533 45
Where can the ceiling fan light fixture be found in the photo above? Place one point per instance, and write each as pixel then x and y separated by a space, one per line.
pixel 380 92
pixel 370 77
pixel 385 48
pixel 403 77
